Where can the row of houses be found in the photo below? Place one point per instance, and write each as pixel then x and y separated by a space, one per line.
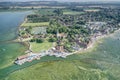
pixel 27 58
pixel 55 51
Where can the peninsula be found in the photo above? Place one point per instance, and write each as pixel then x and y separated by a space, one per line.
pixel 63 31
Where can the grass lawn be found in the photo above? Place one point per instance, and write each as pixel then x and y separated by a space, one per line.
pixel 37 47
pixel 35 24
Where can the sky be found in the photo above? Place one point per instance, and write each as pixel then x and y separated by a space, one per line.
pixel 60 0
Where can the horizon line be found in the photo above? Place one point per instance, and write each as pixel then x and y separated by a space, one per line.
pixel 61 1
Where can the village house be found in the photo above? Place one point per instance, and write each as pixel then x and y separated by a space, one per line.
pixel 59 48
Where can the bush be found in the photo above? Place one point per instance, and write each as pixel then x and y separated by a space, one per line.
pixel 68 47
pixel 52 40
pixel 32 40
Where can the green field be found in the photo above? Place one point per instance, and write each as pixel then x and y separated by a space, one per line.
pixel 72 12
pixel 35 24
pixel 92 10
pixel 45 11
pixel 37 47
pixel 59 70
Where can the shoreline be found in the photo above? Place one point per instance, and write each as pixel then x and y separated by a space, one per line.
pixel 98 38
pixel 30 56
pixel 16 39
pixel 89 48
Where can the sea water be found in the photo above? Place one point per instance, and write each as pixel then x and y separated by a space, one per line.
pixel 9 23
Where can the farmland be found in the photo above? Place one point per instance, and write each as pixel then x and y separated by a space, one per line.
pixel 35 24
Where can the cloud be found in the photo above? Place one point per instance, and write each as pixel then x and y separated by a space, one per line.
pixel 58 0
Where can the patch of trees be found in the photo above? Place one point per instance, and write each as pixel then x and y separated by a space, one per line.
pixel 52 39
pixel 55 26
pixel 103 15
pixel 58 12
pixel 77 9
pixel 71 31
pixel 52 29
pixel 37 18
pixel 37 40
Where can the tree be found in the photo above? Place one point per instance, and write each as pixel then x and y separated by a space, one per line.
pixel 22 33
pixel 62 29
pixel 58 12
pixel 39 40
pixel 32 7
pixel 29 29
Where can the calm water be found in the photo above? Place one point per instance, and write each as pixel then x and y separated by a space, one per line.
pixel 105 58
pixel 9 22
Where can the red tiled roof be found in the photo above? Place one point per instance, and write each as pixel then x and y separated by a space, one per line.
pixel 22 57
